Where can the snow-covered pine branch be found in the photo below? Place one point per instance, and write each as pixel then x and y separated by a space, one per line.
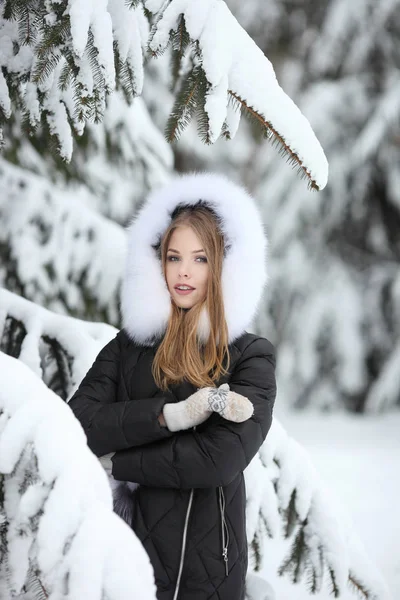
pixel 63 58
pixel 283 488
pixel 119 160
pixel 230 74
pixel 58 251
pixel 50 223
pixel 58 349
pixel 53 496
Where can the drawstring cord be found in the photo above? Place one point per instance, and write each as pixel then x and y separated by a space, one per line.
pixel 224 529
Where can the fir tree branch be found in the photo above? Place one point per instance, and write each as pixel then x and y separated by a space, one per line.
pixel 35 586
pixel 292 158
pixel 158 52
pixel 357 587
pixel 50 49
pixel 334 587
pixel 180 42
pixel 203 121
pixel 16 9
pixel 255 546
pixel 59 380
pixel 185 105
pixel 290 517
pixel 13 335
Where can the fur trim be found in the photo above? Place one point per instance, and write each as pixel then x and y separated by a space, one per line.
pixel 145 300
pixel 123 493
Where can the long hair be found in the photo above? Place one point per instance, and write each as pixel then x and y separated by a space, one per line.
pixel 180 355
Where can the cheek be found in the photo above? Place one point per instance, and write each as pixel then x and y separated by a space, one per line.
pixel 205 280
pixel 168 274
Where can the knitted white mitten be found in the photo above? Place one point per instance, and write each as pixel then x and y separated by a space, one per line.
pixel 198 407
pixel 188 413
pixel 230 405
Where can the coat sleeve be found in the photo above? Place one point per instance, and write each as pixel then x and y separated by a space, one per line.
pixel 214 456
pixel 112 425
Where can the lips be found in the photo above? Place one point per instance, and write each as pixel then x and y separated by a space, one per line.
pixel 183 292
pixel 188 286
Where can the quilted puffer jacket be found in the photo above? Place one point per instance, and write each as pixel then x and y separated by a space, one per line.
pixel 189 507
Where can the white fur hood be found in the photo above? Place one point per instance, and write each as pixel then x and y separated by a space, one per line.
pixel 145 300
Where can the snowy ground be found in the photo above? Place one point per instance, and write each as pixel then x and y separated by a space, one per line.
pixel 358 458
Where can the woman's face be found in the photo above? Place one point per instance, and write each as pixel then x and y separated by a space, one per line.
pixel 186 266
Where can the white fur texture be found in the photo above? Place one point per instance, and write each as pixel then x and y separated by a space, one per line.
pixel 145 300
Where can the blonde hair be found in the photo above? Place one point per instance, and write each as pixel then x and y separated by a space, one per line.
pixel 180 355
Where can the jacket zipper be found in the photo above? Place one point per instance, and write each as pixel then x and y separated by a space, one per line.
pixel 224 532
pixel 189 507
pixel 224 529
pixel 183 545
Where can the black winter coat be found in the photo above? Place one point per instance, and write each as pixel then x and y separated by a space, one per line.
pixel 191 482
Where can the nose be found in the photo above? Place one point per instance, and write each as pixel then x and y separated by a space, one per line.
pixel 183 270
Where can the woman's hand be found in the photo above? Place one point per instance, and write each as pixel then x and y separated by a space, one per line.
pixel 199 406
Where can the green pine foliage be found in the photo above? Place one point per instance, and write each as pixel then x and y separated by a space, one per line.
pixel 180 43
pixel 43 29
pixel 188 102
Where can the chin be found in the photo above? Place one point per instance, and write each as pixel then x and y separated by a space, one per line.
pixel 186 305
pixel 183 303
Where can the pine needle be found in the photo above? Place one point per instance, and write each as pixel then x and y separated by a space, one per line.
pixel 357 587
pixel 185 105
pixel 35 586
pixel 284 148
pixel 132 3
pixel 180 41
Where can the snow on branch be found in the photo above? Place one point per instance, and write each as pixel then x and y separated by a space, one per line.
pixel 61 253
pixel 231 74
pixel 59 534
pixel 58 349
pixel 282 485
pixel 64 57
pixel 61 59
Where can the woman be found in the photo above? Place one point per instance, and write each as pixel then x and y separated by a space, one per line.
pixel 182 398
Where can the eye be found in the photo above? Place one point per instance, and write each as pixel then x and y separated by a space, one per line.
pixel 202 258
pixel 171 258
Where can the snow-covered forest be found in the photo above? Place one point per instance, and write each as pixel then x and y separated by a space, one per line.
pixel 102 101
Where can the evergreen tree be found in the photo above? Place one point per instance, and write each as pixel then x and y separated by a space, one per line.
pixel 59 71
pixel 70 113
pixel 335 277
pixel 332 305
pixel 63 59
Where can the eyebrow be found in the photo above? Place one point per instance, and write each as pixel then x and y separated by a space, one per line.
pixel 177 251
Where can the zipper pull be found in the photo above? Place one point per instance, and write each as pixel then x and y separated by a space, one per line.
pixel 225 555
